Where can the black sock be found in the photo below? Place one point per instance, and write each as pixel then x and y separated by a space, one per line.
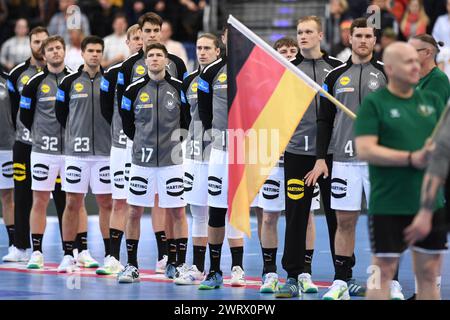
pixel 181 250
pixel 199 257
pixel 215 252
pixel 342 266
pixel 172 254
pixel 81 241
pixel 10 229
pixel 396 273
pixel 68 248
pixel 115 239
pixel 106 242
pixel 161 242
pixel 308 261
pixel 132 247
pixel 237 255
pixel 270 260
pixel 37 241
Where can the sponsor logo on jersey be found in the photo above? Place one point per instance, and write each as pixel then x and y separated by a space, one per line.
pixel 175 187
pixel 25 102
pixel 344 81
pixel 60 95
pixel 188 181
pixel 24 79
pixel 343 90
pixel 138 186
pixel 203 85
pixel 119 180
pixel 214 186
pixel 140 70
pixel 127 171
pixel 20 172
pixel 295 189
pixel 338 188
pixel 7 169
pixel 78 87
pixel 222 77
pixel 271 189
pixel 103 174
pixel 144 97
pixel 194 87
pixel 45 88
pixel 126 103
pixel 73 174
pixel 40 172
pixel 104 85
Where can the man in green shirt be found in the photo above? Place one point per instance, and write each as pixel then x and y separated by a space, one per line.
pixel 391 131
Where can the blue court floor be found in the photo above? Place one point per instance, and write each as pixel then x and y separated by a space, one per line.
pixel 17 283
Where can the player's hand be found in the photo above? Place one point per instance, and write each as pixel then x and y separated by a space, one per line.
pixel 320 168
pixel 419 228
pixel 419 158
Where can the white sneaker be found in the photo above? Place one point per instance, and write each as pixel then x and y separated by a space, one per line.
pixel 190 276
pixel 36 261
pixel 270 283
pixel 110 266
pixel 396 291
pixel 161 265
pixel 337 291
pixel 85 260
pixel 67 264
pixel 181 269
pixel 16 255
pixel 237 277
pixel 306 284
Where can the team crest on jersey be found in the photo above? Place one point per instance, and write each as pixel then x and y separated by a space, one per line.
pixel 425 110
pixel 373 84
pixel 170 105
pixel 140 70
pixel 45 88
pixel 295 189
pixel 24 79
pixel 78 87
pixel 344 81
pixel 395 113
pixel 222 78
pixel 144 97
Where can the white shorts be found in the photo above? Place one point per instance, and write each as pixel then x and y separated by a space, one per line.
pixel 128 158
pixel 117 168
pixel 82 172
pixel 45 169
pixel 271 196
pixel 195 182
pixel 6 167
pixel 146 182
pixel 348 182
pixel 218 179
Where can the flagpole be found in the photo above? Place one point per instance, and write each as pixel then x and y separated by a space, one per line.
pixel 261 43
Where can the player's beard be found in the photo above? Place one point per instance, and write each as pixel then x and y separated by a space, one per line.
pixel 37 55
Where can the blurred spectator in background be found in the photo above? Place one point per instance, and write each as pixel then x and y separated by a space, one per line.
pixel 47 9
pixel 73 51
pixel 3 20
pixel 387 19
pixel 388 36
pixel 174 47
pixel 434 9
pixel 116 49
pixel 102 18
pixel 398 8
pixel 337 12
pixel 357 8
pixel 443 60
pixel 342 50
pixel 58 23
pixel 135 8
pixel 27 9
pixel 191 19
pixel 441 30
pixel 415 20
pixel 16 49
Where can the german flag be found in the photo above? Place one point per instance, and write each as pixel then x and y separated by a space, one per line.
pixel 267 97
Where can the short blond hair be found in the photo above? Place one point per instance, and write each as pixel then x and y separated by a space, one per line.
pixel 132 30
pixel 316 19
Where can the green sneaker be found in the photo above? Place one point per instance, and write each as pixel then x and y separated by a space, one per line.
pixel 36 261
pixel 288 290
pixel 85 260
pixel 270 283
pixel 110 266
pixel 306 285
pixel 337 291
pixel 214 280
